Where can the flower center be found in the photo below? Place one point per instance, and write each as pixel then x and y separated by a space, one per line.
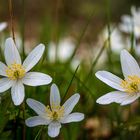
pixel 131 84
pixel 15 71
pixel 55 113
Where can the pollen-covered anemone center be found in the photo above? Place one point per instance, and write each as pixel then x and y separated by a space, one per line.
pixel 131 84
pixel 15 71
pixel 55 113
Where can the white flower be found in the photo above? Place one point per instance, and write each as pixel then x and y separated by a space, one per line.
pixel 63 50
pixel 131 23
pixel 3 25
pixel 128 90
pixel 116 40
pixel 55 114
pixel 16 74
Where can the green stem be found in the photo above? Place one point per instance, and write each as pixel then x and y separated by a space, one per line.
pixel 81 36
pixel 96 60
pixel 39 132
pixel 70 83
pixel 24 127
pixel 109 51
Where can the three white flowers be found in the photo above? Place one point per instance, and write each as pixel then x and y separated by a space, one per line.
pixel 55 114
pixel 15 74
pixel 128 90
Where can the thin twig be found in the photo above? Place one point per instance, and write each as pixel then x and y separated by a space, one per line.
pixel 11 19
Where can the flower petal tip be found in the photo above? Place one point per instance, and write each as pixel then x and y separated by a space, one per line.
pixel 77 95
pixel 124 52
pixel 42 47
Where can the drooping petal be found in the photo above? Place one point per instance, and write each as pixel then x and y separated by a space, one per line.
pixel 36 79
pixel 38 107
pixel 54 96
pixel 74 117
pixel 36 120
pixel 5 84
pixel 129 64
pixel 110 79
pixel 54 129
pixel 18 93
pixel 11 52
pixel 131 98
pixel 33 58
pixel 115 96
pixel 3 68
pixel 70 103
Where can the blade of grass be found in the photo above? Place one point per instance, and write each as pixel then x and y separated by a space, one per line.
pixel 39 133
pixel 81 36
pixel 84 86
pixel 96 60
pixel 132 38
pixel 109 51
pixel 70 83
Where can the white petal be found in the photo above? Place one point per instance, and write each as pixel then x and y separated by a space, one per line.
pixel 127 20
pixel 33 58
pixel 131 98
pixel 3 25
pixel 38 107
pixel 74 117
pixel 3 68
pixel 110 79
pixel 36 120
pixel 54 129
pixel 129 64
pixel 36 79
pixel 127 28
pixel 18 93
pixel 54 97
pixel 5 84
pixel 115 96
pixel 70 103
pixel 11 52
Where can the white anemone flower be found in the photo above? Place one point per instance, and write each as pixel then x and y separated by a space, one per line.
pixel 63 52
pixel 128 90
pixel 55 114
pixel 131 23
pixel 17 74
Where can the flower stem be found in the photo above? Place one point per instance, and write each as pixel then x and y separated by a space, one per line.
pixel 39 132
pixel 24 127
pixel 70 83
pixel 96 60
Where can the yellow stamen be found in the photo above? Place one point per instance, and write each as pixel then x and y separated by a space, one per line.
pixel 55 113
pixel 131 84
pixel 15 71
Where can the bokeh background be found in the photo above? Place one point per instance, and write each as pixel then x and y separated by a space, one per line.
pixel 75 34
